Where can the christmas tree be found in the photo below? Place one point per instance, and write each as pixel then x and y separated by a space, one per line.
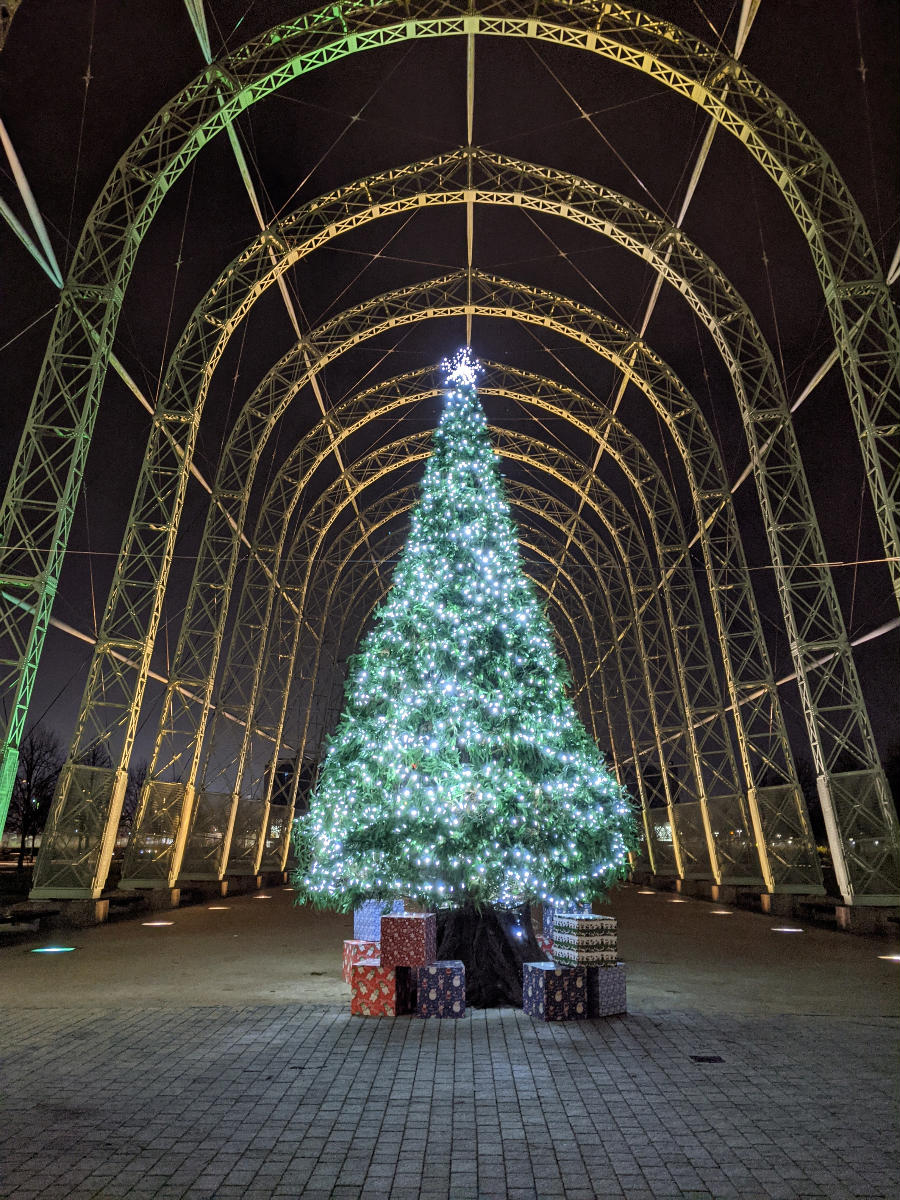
pixel 460 774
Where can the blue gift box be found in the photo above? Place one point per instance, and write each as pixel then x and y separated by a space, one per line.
pixel 554 993
pixel 606 990
pixel 367 919
pixel 441 989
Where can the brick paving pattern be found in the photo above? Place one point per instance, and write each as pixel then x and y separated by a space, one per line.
pixel 275 1103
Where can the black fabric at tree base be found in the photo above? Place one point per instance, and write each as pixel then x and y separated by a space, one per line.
pixel 493 943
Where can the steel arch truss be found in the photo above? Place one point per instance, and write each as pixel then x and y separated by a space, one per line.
pixel 832 699
pixel 37 511
pixel 490 286
pixel 279 662
pixel 684 847
pixel 625 532
pixel 840 245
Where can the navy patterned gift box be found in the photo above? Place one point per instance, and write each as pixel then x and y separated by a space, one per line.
pixel 606 990
pixel 554 993
pixel 441 989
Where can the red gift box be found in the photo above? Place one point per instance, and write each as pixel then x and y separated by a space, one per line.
pixel 379 991
pixel 409 940
pixel 355 951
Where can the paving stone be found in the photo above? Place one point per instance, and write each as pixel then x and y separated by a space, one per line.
pixel 499 1109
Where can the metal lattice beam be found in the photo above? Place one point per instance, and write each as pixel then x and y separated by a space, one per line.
pixel 491 282
pixel 811 607
pixel 624 696
pixel 47 472
pixel 643 585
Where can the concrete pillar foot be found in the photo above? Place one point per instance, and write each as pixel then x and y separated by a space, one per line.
pixel 81 914
pixel 859 919
pixel 239 885
pixel 776 904
pixel 161 899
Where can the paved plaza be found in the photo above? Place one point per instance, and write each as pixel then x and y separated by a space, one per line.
pixel 114 1088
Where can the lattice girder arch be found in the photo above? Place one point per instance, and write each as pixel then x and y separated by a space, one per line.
pixel 850 729
pixel 678 403
pixel 832 700
pixel 442 297
pixel 623 651
pixel 643 584
pixel 495 281
pixel 761 690
pixel 498 179
pixel 36 515
pixel 710 747
pixel 297 472
pixel 280 658
pixel 838 679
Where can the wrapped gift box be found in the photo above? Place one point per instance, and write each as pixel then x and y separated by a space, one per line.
pixel 547 921
pixel 585 939
pixel 367 919
pixel 356 951
pixel 606 990
pixel 551 992
pixel 586 924
pixel 409 940
pixel 545 943
pixel 379 991
pixel 578 956
pixel 441 989
pixel 550 915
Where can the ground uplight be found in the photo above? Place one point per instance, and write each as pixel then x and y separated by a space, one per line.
pixel 890 957
pixel 52 949
pixel 646 892
pixel 721 912
pixel 786 929
pixel 262 897
pixel 157 922
pixel 218 908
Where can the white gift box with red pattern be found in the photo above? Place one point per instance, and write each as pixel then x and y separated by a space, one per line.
pixel 355 951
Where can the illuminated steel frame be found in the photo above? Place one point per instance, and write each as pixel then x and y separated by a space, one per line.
pixel 710 746
pixel 539 307
pixel 37 511
pixel 625 696
pixel 279 665
pixel 539 516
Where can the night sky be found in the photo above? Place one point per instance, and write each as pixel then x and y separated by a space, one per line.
pixel 79 81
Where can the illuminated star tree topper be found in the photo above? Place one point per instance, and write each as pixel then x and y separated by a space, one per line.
pixel 459 773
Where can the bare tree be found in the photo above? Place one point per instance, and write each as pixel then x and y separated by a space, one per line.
pixel 137 776
pixel 41 756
